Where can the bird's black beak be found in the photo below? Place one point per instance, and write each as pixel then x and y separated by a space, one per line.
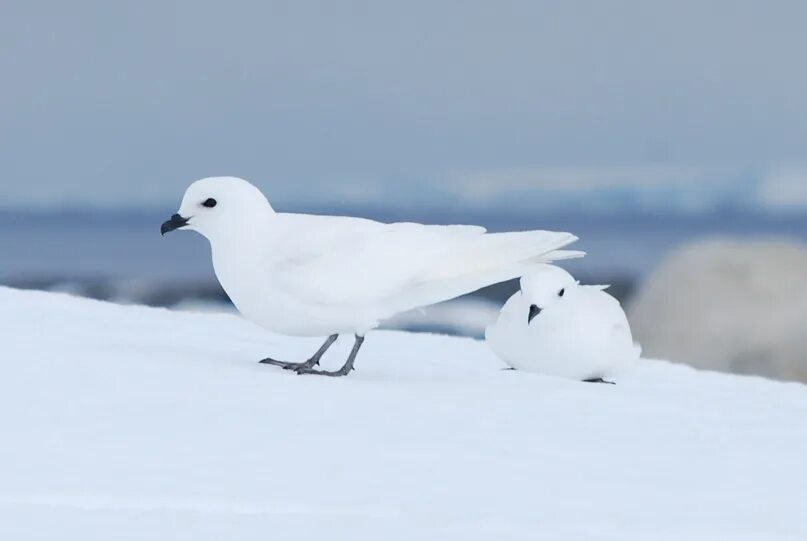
pixel 175 222
pixel 534 311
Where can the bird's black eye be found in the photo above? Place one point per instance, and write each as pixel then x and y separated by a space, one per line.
pixel 562 292
pixel 209 203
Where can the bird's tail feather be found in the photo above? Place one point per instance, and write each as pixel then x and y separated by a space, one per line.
pixel 488 259
pixel 561 255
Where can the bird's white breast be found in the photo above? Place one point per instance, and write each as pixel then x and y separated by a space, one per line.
pixel 254 277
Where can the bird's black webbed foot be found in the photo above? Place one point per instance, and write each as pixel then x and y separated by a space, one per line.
pixel 307 365
pixel 344 371
pixel 598 380
pixel 310 363
pixel 303 370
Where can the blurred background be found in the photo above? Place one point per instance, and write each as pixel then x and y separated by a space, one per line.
pixel 653 130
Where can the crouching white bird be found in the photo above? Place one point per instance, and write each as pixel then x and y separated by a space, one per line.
pixel 556 326
pixel 306 275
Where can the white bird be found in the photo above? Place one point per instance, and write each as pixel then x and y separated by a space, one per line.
pixel 307 275
pixel 556 326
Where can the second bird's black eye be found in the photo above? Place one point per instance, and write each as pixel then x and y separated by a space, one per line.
pixel 209 203
pixel 562 292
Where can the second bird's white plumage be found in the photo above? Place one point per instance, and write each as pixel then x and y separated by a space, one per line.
pixel 581 331
pixel 310 275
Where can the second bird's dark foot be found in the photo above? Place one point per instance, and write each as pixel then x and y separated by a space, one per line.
pixel 304 370
pixel 310 363
pixel 308 366
pixel 598 380
pixel 288 366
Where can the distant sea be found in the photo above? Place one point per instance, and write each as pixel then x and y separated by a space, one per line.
pixel 120 255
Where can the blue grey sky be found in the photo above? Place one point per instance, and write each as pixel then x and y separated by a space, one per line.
pixel 124 103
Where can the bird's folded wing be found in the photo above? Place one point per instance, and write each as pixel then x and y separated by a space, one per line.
pixel 359 262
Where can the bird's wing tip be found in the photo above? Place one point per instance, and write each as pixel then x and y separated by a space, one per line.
pixel 560 255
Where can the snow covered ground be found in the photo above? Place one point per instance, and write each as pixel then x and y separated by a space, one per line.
pixel 131 423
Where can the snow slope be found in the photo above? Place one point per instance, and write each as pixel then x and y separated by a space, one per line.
pixel 131 423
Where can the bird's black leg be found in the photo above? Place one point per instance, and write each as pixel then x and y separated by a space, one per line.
pixel 598 380
pixel 310 363
pixel 344 371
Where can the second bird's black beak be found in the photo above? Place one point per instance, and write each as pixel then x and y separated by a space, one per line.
pixel 175 222
pixel 534 311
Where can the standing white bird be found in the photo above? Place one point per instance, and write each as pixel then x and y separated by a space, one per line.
pixel 556 326
pixel 307 275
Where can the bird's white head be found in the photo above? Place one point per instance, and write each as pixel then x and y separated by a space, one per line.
pixel 220 205
pixel 543 287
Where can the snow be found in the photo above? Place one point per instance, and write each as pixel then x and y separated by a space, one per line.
pixel 132 423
